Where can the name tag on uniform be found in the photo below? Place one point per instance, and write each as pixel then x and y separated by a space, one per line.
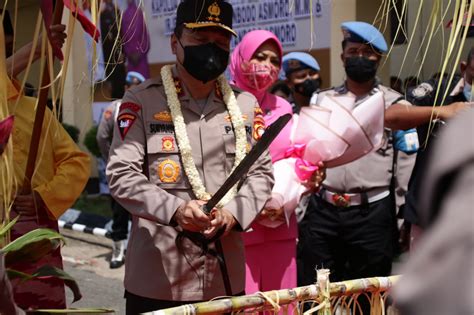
pixel 160 128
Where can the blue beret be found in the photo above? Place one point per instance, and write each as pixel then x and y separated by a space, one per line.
pixel 136 75
pixel 361 32
pixel 297 61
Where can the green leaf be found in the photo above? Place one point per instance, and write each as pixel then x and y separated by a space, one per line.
pixel 32 246
pixel 74 311
pixel 6 228
pixel 46 272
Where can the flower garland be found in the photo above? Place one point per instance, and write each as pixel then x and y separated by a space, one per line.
pixel 183 140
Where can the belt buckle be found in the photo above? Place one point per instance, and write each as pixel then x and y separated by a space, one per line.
pixel 341 200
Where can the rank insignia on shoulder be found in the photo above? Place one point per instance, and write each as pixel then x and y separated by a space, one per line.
pixel 258 124
pixel 131 106
pixel 125 122
pixel 169 171
pixel 163 116
pixel 258 111
pixel 167 144
pixel 258 128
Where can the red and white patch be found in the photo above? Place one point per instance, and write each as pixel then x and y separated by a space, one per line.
pixel 131 106
pixel 125 122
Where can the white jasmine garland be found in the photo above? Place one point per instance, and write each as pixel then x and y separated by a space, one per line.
pixel 182 135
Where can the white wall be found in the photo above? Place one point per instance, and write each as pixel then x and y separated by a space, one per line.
pixel 435 51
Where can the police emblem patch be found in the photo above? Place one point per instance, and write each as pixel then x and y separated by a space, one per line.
pixel 125 122
pixel 422 90
pixel 169 171
pixel 167 144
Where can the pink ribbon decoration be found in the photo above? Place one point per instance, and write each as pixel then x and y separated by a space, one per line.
pixel 6 127
pixel 303 169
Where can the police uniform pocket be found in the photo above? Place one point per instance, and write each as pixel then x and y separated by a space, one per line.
pixel 164 163
pixel 229 144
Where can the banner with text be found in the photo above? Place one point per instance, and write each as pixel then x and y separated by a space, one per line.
pixel 290 20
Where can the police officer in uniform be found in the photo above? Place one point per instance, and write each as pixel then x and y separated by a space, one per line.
pixel 154 180
pixel 302 76
pixel 105 132
pixel 459 93
pixel 349 225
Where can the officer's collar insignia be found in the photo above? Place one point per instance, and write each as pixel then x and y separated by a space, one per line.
pixel 179 87
pixel 294 64
pixel 214 12
pixel 217 90
pixel 163 116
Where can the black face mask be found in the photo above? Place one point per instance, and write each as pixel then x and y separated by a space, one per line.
pixel 360 69
pixel 205 62
pixel 308 87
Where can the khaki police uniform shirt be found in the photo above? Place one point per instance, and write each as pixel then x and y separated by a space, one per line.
pixel 374 170
pixel 105 130
pixel 144 142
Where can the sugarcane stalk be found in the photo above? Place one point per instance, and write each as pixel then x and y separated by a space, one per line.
pixel 257 301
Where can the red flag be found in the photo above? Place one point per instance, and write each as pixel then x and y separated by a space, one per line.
pixel 87 25
pixel 47 11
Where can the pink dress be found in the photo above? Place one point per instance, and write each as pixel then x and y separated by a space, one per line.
pixel 270 251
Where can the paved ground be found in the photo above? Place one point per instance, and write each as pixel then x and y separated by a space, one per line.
pixel 86 258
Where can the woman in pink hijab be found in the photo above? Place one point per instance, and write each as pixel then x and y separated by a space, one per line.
pixel 270 247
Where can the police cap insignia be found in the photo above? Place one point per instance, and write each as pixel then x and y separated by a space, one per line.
pixel 195 14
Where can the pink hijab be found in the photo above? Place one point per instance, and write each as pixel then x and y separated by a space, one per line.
pixel 274 106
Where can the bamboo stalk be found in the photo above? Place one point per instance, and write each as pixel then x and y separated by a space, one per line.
pixel 40 110
pixel 286 296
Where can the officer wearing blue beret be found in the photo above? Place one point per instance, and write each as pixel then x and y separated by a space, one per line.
pixel 350 224
pixel 302 76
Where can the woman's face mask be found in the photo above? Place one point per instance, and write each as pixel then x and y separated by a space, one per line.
pixel 259 76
